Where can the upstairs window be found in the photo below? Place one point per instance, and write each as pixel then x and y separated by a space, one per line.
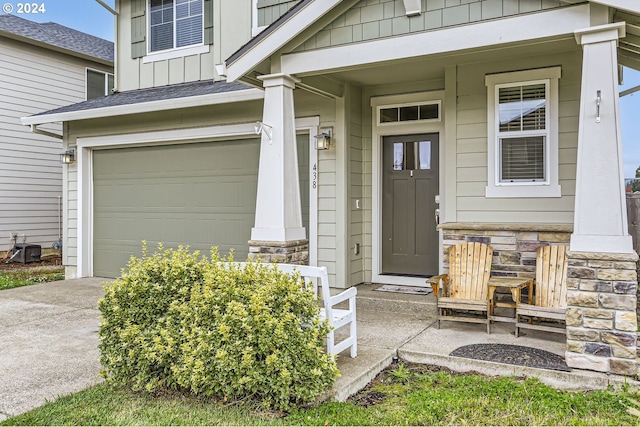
pixel 175 24
pixel 99 83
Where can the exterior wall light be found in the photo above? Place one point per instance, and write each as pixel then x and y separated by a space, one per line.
pixel 68 156
pixel 323 140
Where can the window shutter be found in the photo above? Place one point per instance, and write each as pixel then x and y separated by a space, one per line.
pixel 208 21
pixel 138 28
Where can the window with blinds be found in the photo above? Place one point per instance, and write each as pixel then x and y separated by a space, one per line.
pixel 175 23
pixel 522 159
pixel 522 132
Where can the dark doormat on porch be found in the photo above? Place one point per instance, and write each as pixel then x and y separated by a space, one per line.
pixel 513 355
pixel 404 289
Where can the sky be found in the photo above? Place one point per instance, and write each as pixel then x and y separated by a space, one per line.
pixel 90 17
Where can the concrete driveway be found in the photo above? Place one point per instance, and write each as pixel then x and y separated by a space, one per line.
pixel 48 342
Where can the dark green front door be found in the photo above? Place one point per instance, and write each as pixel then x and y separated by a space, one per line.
pixel 409 188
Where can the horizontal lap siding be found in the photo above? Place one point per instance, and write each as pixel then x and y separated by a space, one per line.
pixel 33 80
pixel 471 155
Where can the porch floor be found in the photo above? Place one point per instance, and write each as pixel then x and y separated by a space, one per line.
pixel 403 325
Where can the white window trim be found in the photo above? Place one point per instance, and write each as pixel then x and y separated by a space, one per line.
pixel 550 187
pixel 255 29
pixel 409 104
pixel 174 52
pixel 106 80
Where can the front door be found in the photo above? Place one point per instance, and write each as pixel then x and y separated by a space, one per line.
pixel 409 191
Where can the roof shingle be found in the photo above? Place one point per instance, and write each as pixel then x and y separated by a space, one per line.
pixel 59 36
pixel 182 90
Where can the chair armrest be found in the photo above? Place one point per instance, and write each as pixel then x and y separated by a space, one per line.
pixel 434 281
pixel 343 296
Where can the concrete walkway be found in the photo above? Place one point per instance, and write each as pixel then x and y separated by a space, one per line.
pixel 48 343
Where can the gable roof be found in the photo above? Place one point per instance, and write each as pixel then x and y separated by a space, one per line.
pixel 278 34
pixel 307 12
pixel 58 37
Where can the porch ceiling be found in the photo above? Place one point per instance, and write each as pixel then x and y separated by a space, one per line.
pixel 629 46
pixel 433 67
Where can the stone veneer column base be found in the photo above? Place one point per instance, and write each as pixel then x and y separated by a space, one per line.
pixel 291 252
pixel 601 312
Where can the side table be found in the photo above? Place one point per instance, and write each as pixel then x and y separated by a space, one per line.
pixel 515 285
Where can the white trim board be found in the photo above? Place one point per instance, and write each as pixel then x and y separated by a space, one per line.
pixel 86 145
pixel 628 5
pixel 279 37
pixel 553 23
pixel 376 172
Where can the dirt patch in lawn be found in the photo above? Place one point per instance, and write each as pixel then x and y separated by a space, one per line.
pixel 50 260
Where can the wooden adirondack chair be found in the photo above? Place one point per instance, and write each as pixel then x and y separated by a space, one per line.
pixel 550 291
pixel 465 287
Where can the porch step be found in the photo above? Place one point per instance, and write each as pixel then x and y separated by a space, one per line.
pixel 368 299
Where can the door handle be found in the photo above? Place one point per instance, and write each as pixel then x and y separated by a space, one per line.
pixel 437 214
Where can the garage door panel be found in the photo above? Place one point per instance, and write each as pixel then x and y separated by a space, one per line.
pixel 200 195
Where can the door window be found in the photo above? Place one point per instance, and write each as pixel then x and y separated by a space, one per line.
pixel 412 155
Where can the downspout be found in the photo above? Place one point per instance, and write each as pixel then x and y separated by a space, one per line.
pixel 106 6
pixel 35 129
pixel 115 12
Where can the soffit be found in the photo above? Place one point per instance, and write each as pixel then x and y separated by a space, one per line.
pixel 629 46
pixel 433 67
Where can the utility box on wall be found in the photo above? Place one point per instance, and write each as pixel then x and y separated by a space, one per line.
pixel 27 253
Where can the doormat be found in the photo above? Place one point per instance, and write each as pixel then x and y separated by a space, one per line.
pixel 404 289
pixel 513 355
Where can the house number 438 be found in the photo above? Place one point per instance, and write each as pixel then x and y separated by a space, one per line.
pixel 314 176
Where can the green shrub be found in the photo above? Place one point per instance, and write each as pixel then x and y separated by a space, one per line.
pixel 175 320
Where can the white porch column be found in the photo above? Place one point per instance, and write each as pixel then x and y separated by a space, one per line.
pixel 600 219
pixel 278 212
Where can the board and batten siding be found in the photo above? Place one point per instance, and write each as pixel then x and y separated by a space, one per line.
pixel 471 156
pixel 33 80
pixel 227 27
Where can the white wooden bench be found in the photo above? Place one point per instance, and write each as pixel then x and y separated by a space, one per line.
pixel 338 317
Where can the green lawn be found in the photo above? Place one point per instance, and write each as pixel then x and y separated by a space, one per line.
pixel 30 276
pixel 414 395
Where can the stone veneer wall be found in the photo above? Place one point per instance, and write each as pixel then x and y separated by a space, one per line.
pixel 514 245
pixel 292 252
pixel 601 312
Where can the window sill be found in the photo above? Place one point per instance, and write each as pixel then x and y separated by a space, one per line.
pixel 523 191
pixel 175 53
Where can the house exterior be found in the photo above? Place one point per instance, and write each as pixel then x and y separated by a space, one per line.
pixel 44 66
pixel 447 121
